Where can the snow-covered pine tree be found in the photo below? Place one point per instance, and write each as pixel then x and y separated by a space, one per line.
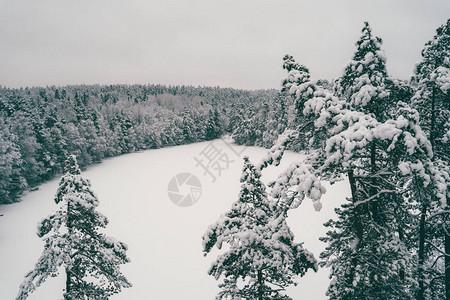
pixel 250 126
pixel 432 100
pixel 368 251
pixel 90 259
pixel 377 257
pixel 213 125
pixel 298 84
pixel 367 266
pixel 11 179
pixel 188 127
pixel 262 258
pixel 281 115
pixel 368 260
pixel 406 155
pixel 432 79
pixel 363 83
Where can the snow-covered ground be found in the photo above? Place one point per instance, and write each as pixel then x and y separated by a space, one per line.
pixel 164 239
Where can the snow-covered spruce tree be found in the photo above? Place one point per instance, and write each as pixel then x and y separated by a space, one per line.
pixel 90 259
pixel 298 83
pixel 368 251
pixel 367 267
pixel 432 79
pixel 363 83
pixel 432 100
pixel 278 118
pixel 11 162
pixel 214 127
pixel 358 272
pixel 262 259
pixel 376 255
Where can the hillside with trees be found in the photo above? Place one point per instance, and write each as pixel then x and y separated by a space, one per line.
pixel 40 127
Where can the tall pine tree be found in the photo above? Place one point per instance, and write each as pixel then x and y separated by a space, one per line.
pixel 376 142
pixel 432 100
pixel 11 180
pixel 90 259
pixel 263 258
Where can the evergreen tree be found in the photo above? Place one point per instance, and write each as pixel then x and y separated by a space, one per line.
pixel 277 119
pixel 187 127
pixel 432 100
pixel 214 127
pixel 302 117
pixel 31 168
pixel 218 123
pixel 371 251
pixel 124 133
pixel 432 78
pixel 381 152
pixel 72 240
pixel 210 127
pixel 263 258
pixel 11 180
pixel 367 267
pixel 363 83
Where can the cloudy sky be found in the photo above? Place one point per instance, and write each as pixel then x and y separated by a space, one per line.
pixel 234 43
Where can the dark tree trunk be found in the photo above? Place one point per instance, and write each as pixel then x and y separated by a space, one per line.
pixel 446 236
pixel 447 267
pixel 69 228
pixel 422 229
pixel 373 189
pixel 358 224
pixel 260 286
pixel 68 284
pixel 421 291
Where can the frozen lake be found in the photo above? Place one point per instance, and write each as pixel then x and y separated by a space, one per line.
pixel 164 239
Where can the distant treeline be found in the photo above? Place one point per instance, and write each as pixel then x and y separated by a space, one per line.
pixel 40 127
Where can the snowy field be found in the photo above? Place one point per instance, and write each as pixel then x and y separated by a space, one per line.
pixel 164 240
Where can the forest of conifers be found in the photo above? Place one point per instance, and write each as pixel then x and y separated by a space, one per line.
pixel 40 127
pixel 389 137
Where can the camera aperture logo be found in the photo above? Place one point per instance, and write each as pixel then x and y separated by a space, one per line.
pixel 184 189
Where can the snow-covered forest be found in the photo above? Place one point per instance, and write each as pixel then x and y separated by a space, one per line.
pixel 385 139
pixel 42 126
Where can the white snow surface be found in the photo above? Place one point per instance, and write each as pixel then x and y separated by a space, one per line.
pixel 164 240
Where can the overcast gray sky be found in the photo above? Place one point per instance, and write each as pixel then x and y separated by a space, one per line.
pixel 202 42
